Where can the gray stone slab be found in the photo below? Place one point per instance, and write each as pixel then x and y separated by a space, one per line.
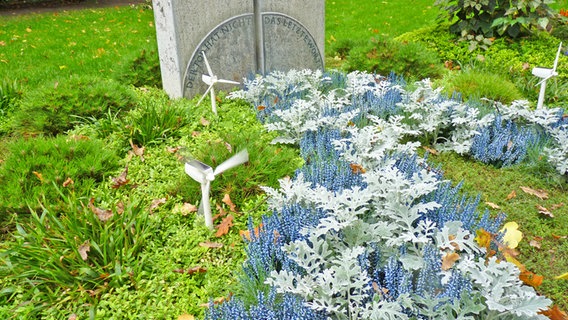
pixel 239 37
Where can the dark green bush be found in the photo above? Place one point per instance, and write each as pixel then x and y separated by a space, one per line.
pixel 54 109
pixel 385 55
pixel 33 166
pixel 142 70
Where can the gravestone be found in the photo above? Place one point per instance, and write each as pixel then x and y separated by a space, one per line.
pixel 239 37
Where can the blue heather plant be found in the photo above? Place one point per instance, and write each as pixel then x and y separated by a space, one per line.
pixel 503 143
pixel 375 245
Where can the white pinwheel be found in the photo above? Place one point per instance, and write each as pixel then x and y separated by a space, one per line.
pixel 204 174
pixel 545 74
pixel 211 79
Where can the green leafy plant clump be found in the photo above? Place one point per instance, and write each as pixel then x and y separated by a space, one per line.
pixel 33 166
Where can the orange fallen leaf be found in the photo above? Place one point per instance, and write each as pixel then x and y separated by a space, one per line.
pixel 224 226
pixel 227 200
pixel 357 168
pixel 558 237
pixel 260 108
pixel 531 279
pixel 431 150
pixel 511 195
pixel 191 271
pixel 449 260
pixel 541 194
pixel 39 176
pixel 208 244
pixel 246 233
pixel 554 314
pixel 121 180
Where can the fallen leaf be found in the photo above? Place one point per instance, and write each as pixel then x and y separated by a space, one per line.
pixel 228 146
pixel 535 244
pixel 511 195
pixel 195 133
pixel 454 244
pixel 39 176
pixel 556 206
pixel 173 149
pixel 2 43
pixel 139 151
pixel 512 235
pixel 84 249
pixel 532 279
pixel 204 122
pixel 28 29
pixel 544 211
pixel 431 150
pixel 224 226
pixel 72 317
pixel 260 108
pixel 186 316
pixel 120 207
pixel 562 276
pixel 357 168
pixel 541 194
pixel 483 238
pixel 102 214
pixel 246 233
pixel 121 179
pixel 191 271
pixel 558 237
pixel 227 200
pixel 187 208
pixel 554 314
pixel 221 213
pixel 208 244
pixel 492 205
pixel 156 203
pixel 449 260
pixel 67 182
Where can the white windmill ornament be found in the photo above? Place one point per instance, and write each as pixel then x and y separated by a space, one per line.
pixel 204 174
pixel 211 79
pixel 545 74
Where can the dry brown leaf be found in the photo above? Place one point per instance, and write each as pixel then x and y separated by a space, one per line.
pixel 191 271
pixel 541 194
pixel 228 146
pixel 172 149
pixel 431 150
pixel 102 214
pixel 120 207
pixel 156 203
pixel 227 200
pixel 449 260
pixel 544 211
pixel 260 108
pixel 204 122
pixel 511 195
pixel 187 208
pixel 72 317
pixel 534 243
pixel 558 237
pixel 121 180
pixel 224 226
pixel 221 213
pixel 68 182
pixel 208 244
pixel 554 314
pixel 492 205
pixel 556 206
pixel 84 249
pixel 139 151
pixel 246 233
pixel 454 244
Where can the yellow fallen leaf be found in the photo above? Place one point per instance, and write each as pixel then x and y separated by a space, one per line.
pixel 512 235
pixel 562 276
pixel 186 316
pixel 511 195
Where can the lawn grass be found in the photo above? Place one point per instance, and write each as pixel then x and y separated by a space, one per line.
pixel 99 42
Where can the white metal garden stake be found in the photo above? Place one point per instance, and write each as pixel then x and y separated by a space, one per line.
pixel 204 174
pixel 211 79
pixel 545 74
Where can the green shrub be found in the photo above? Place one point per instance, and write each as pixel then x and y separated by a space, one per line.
pixel 475 84
pixel 52 110
pixel 82 251
pixel 10 94
pixel 384 55
pixel 486 19
pixel 33 166
pixel 142 70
